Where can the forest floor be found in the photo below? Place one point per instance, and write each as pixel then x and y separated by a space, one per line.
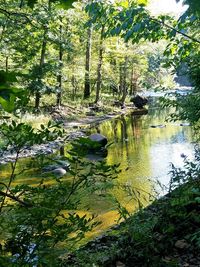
pixel 75 117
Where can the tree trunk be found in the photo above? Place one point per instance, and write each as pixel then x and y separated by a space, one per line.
pixel 87 63
pixel 7 64
pixel 99 68
pixel 124 91
pixel 74 86
pixel 21 4
pixel 132 82
pixel 121 81
pixel 42 57
pixel 59 78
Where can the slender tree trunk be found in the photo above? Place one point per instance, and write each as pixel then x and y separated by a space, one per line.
pixel 99 68
pixel 59 78
pixel 21 4
pixel 121 80
pixel 124 91
pixel 87 63
pixel 6 63
pixel 133 82
pixel 42 58
pixel 74 87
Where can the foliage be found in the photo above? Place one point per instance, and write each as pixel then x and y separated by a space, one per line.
pixel 62 3
pixel 149 237
pixel 17 136
pixel 193 6
pixel 46 216
pixel 8 92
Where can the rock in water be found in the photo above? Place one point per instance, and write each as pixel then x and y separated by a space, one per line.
pixel 99 138
pixel 59 172
pixel 60 164
pixel 139 101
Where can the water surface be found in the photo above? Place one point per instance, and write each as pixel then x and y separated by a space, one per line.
pixel 144 145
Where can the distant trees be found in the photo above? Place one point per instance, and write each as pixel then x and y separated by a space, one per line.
pixel 96 47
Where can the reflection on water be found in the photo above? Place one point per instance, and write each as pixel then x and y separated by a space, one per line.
pixel 144 153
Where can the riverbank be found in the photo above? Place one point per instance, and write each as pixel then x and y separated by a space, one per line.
pixel 164 234
pixel 74 126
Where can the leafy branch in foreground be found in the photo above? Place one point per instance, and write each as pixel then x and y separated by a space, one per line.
pixel 46 222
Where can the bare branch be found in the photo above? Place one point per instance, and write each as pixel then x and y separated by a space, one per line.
pixel 25 204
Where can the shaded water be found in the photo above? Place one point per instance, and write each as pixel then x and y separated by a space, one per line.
pixel 144 153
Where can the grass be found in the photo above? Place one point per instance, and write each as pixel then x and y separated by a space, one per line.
pixel 35 120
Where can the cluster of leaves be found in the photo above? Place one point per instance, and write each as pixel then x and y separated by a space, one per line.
pixel 61 3
pixel 187 106
pixel 18 136
pixel 8 92
pixel 45 216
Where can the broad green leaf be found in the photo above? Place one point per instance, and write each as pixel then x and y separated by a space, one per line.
pixel 8 105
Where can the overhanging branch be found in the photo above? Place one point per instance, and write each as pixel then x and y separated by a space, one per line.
pixel 177 31
pixel 23 203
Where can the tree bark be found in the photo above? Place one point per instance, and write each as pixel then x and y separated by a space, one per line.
pixel 59 78
pixel 87 63
pixel 42 60
pixel 124 89
pixel 121 81
pixel 21 4
pixel 99 68
pixel 6 63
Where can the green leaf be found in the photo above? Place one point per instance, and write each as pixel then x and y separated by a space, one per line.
pixel 66 4
pixel 8 96
pixel 7 77
pixel 31 3
pixel 8 105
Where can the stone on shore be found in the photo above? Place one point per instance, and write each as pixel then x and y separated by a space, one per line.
pixel 99 138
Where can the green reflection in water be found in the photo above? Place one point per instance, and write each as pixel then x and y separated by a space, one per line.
pixel 143 152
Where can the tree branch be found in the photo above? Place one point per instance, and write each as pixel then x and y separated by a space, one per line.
pixel 25 204
pixel 10 13
pixel 177 31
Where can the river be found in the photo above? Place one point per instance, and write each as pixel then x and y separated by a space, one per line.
pixel 144 145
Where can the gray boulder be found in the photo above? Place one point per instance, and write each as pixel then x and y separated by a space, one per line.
pixel 59 164
pixel 99 138
pixel 58 169
pixel 139 101
pixel 59 172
